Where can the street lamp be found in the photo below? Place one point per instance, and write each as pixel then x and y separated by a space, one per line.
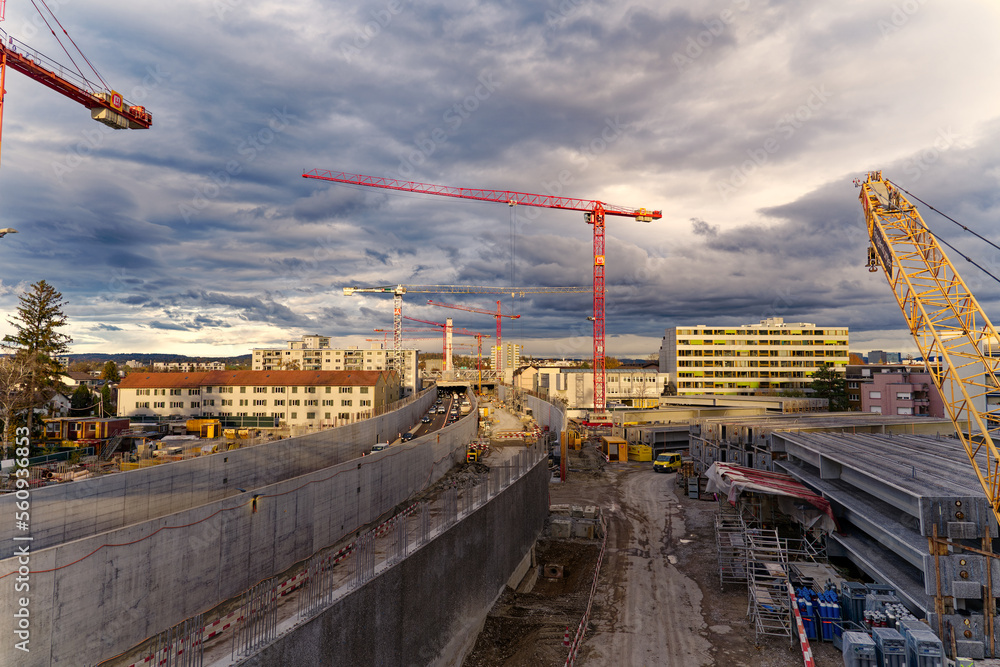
pixel 7 230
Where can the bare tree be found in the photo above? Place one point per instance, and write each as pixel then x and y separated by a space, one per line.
pixel 15 395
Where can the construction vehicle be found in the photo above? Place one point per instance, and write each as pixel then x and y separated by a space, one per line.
pixel 473 453
pixel 945 320
pixel 594 213
pixel 106 105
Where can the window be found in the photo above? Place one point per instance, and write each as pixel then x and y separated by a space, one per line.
pixel 329 389
pixel 309 390
pixel 194 392
pixel 326 415
pixel 279 402
pixel 364 390
pixel 176 404
pixel 208 390
pixel 159 404
pixel 904 411
pixel 294 402
pixel 345 390
pixel 142 392
pixel 877 409
pixel 295 390
pixel 227 401
pixel 277 390
pixel 295 415
pixel 345 402
pixel 854 397
pixel 310 415
pixel 260 390
pixel 904 396
pixel 343 415
pixel 258 401
pixel 312 402
pixel 195 404
pixel 327 402
pixel 260 414
pixel 852 385
pixel 210 401
pixel 175 392
pixel 243 401
pixel 142 405
pixel 243 390
pixel 364 403
pixel 874 394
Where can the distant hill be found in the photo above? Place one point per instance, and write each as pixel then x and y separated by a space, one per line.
pixel 148 359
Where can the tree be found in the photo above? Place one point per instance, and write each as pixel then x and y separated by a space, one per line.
pixel 829 384
pixel 107 407
pixel 81 402
pixel 611 362
pixel 14 397
pixel 36 336
pixel 110 372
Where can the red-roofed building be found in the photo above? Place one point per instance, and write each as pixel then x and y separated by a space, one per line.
pixel 314 398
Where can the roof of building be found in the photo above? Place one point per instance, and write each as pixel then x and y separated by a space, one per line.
pixel 80 376
pixel 252 378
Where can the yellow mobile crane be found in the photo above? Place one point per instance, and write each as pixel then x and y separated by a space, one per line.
pixel 945 320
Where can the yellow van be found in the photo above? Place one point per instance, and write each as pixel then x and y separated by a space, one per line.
pixel 669 462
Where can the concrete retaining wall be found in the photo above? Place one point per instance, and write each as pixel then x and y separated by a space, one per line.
pixel 94 597
pixel 64 512
pixel 545 413
pixel 410 613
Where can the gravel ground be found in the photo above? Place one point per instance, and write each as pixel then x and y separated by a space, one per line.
pixel 658 599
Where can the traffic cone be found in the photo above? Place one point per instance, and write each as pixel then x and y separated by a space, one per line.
pixel 566 637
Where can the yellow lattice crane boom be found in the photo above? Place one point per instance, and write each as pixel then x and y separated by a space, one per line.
pixel 945 320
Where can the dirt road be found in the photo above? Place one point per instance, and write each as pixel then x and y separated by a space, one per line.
pixel 652 613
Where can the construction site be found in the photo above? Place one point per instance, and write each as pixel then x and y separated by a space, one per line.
pixel 468 519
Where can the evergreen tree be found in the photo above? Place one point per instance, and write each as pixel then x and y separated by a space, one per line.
pixel 36 336
pixel 110 372
pixel 81 402
pixel 107 407
pixel 829 384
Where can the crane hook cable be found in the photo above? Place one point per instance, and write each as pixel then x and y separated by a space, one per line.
pixel 962 254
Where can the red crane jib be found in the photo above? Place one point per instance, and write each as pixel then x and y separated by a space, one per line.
pixel 499 196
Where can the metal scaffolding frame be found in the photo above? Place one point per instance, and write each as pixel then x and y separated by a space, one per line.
pixel 730 540
pixel 769 606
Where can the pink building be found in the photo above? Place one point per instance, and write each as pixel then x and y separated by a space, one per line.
pixel 902 394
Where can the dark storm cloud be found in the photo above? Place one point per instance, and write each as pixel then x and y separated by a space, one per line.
pixel 738 116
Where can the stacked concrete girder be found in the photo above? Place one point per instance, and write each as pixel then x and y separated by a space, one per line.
pixel 746 441
pixel 891 493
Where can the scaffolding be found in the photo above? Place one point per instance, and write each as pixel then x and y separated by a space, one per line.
pixel 730 540
pixel 767 580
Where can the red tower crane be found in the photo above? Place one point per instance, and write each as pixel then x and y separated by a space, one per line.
pixel 482 311
pixel 594 213
pixel 106 105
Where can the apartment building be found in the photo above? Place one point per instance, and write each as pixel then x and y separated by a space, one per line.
pixel 314 353
pixel 632 387
pixel 910 391
pixel 187 366
pixel 506 355
pixel 765 358
pixel 295 398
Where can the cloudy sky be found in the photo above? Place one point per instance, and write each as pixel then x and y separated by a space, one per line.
pixel 744 121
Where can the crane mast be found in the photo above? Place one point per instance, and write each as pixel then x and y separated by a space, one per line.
pixel 594 214
pixel 397 292
pixel 945 320
pixel 481 311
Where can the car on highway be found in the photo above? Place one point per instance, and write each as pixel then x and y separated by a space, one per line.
pixel 408 436
pixel 441 410
pixel 378 447
pixel 425 420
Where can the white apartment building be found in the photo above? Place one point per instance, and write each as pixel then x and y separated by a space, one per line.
pixel 313 353
pixel 187 366
pixel 750 359
pixel 506 355
pixel 633 387
pixel 296 398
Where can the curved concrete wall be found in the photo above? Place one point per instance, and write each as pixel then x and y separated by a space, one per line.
pixel 94 597
pixel 64 512
pixel 410 613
